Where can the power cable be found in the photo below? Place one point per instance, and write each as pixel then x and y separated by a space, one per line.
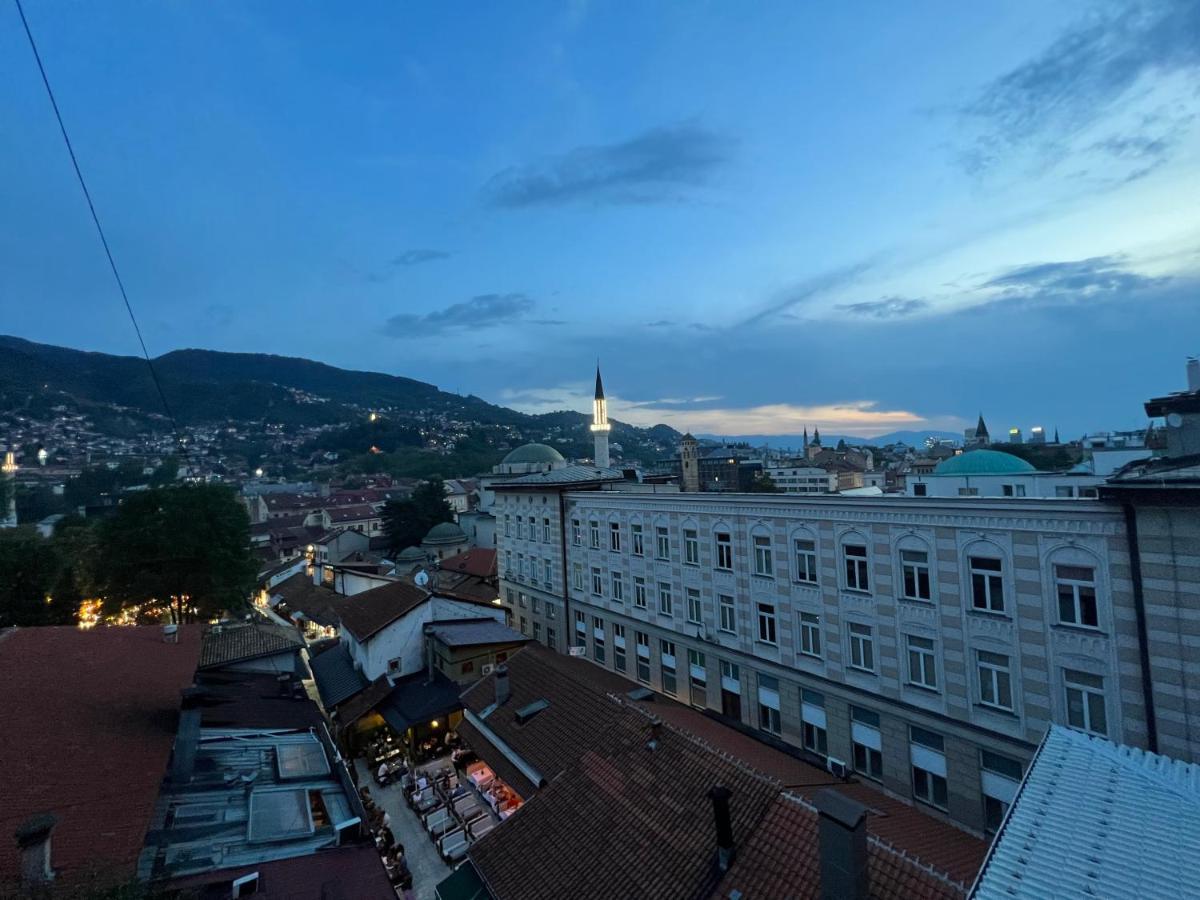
pixel 179 440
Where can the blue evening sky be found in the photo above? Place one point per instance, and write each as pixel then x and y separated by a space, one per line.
pixel 858 216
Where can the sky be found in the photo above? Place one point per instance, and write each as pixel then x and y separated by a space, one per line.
pixel 758 217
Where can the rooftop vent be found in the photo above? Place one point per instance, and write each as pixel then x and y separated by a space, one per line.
pixel 502 687
pixel 655 734
pixel 640 694
pixel 527 712
pixel 33 839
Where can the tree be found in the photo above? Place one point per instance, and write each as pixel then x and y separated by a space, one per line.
pixel 406 522
pixel 31 567
pixel 763 484
pixel 184 549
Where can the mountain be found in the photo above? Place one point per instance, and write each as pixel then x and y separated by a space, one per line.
pixel 208 386
pixel 796 441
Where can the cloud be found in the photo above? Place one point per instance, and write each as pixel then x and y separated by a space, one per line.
pixel 483 311
pixel 416 257
pixel 1068 283
pixel 884 308
pixel 657 166
pixel 1081 76
pixel 808 290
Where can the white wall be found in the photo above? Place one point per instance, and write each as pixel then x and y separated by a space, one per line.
pixel 1042 485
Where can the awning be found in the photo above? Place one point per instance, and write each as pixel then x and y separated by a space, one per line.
pixel 463 883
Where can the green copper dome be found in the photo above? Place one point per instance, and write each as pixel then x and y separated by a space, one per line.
pixel 983 462
pixel 534 453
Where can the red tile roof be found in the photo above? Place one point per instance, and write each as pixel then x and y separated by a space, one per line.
pixel 351 513
pixel 88 724
pixel 479 561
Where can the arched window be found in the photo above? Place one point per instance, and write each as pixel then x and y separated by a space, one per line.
pixel 916 568
pixel 855 553
pixel 1075 579
pixel 722 546
pixel 762 551
pixel 987 575
pixel 803 542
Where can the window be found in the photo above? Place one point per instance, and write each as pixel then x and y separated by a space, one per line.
pixel 1085 702
pixel 549 610
pixel 598 639
pixel 810 634
pixel 766 623
pixel 618 647
pixel 524 626
pixel 639 592
pixel 535 566
pixel 731 690
pixel 806 560
pixel 507 526
pixel 987 584
pixel 691 547
pixel 862 647
pixel 1076 589
pixel 855 556
pixel 995 680
pixel 724 550
pixel 614 536
pixel 728 613
pixel 509 594
pixel 968 492
pixel 1000 776
pixel 535 603
pixel 642 641
pixel 580 629
pixel 576 533
pixel 665 605
pixel 927 754
pixel 1013 490
pixel 577 576
pixel 867 742
pixel 597 582
pixel 635 531
pixel 662 540
pixel 920 490
pixel 508 569
pixel 618 587
pixel 914 567
pixel 551 638
pixel 697 679
pixel 1064 491
pixel 694 612
pixel 537 631
pixel 594 535
pixel 666 651
pixel 768 704
pixel 522 599
pixel 533 529
pixel 922 662
pixel 762 555
pixel 393 666
pixel 546 568
pixel 812 722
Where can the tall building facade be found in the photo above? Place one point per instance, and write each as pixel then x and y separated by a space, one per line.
pixel 922 643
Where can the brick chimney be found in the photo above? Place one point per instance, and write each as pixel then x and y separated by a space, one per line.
pixel 842 834
pixel 33 839
pixel 719 796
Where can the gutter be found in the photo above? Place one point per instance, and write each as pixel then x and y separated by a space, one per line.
pixel 534 776
pixel 1139 607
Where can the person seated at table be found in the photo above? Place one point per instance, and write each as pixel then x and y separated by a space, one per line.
pixel 382 772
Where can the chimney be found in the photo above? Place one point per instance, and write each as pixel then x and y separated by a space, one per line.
pixel 502 689
pixel 1193 373
pixel 719 796
pixel 171 634
pixel 842 833
pixel 33 839
pixel 655 734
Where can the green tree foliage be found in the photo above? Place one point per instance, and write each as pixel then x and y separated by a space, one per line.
pixel 176 549
pixel 406 522
pixel 32 568
pixel 763 484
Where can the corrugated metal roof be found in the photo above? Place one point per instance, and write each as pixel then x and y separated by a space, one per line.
pixel 337 679
pixel 1097 819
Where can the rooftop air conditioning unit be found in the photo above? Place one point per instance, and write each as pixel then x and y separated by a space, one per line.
pixel 836 766
pixel 487 668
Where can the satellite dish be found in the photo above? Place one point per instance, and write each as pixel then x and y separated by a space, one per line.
pixel 421 578
pixel 1174 419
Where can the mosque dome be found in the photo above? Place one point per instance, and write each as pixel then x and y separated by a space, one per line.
pixel 539 454
pixel 445 533
pixel 411 554
pixel 983 462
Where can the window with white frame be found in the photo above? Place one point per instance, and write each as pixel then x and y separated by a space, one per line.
pixel 546 535
pixel 533 529
pixel 576 533
pixel 594 535
pixel 667 660
pixel 507 525
pixel 522 566
pixel 535 603
pixel 639 592
pixel 598 652
pixel 922 662
pixel 580 629
pixel 866 742
pixel 806 560
pixel 577 576
pixel 728 613
pixel 614 536
pixel 635 531
pixel 695 614
pixel 691 547
pixel 724 544
pixel 768 704
pixel 987 583
pixel 862 647
pixel 927 754
pixel 810 634
pixel 508 569
pixel 642 641
pixel 812 722
pixel 762 555
pixel 597 582
pixel 766 623
pixel 995 680
pixel 551 637
pixel 522 599
pixel 697 679
pixel 509 593
pixel 618 646
pixel 618 587
pixel 547 570
pixel 855 558
pixel 914 570
pixel 1076 589
pixel 1085 702
pixel 662 542
pixel 666 605
pixel 1000 776
pixel 536 568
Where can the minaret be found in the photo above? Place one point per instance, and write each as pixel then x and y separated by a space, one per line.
pixel 10 475
pixel 689 464
pixel 600 426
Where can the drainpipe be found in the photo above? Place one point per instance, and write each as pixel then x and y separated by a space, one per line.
pixel 1139 607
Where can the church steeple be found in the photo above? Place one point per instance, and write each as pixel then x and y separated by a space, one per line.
pixel 600 426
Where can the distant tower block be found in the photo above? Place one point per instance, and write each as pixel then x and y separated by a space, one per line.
pixel 689 458
pixel 600 426
pixel 9 470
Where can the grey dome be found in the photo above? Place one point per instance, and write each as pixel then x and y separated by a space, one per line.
pixel 411 554
pixel 533 453
pixel 445 533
